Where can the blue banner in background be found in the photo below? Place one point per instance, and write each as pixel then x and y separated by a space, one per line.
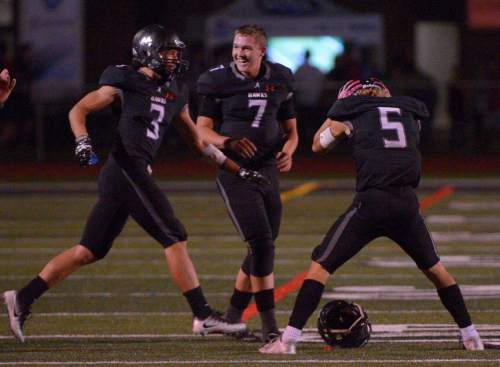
pixel 53 29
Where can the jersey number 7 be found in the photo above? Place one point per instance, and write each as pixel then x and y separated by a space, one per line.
pixel 261 103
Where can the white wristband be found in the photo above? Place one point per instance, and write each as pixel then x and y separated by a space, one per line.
pixel 326 138
pixel 214 154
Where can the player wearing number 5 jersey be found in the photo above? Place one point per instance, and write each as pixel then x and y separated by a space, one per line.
pixel 384 132
pixel 247 109
pixel 149 94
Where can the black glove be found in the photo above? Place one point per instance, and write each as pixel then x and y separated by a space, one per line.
pixel 84 151
pixel 253 176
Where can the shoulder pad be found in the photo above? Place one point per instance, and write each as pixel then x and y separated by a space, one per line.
pixel 344 108
pixel 413 105
pixel 208 82
pixel 282 71
pixel 116 75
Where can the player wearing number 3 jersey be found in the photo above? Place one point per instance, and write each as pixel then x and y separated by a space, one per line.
pixel 149 95
pixel 384 132
pixel 247 109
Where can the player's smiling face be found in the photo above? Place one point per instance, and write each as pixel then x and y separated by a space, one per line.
pixel 247 54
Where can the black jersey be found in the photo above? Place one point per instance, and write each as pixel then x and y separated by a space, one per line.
pixel 147 109
pixel 385 139
pixel 251 108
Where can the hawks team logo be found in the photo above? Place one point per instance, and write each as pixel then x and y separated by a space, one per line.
pixel 270 88
pixel 169 96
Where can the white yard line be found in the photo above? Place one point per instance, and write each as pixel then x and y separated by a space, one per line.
pixel 461 219
pixel 439 236
pixel 284 360
pixel 81 277
pixel 474 205
pixel 187 313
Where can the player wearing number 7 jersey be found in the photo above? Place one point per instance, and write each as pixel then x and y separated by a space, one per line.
pixel 149 95
pixel 384 132
pixel 247 109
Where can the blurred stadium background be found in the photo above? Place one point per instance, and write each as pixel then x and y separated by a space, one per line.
pixel 443 52
pixel 124 309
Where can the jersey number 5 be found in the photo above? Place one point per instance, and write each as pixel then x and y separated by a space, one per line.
pixel 400 141
pixel 154 133
pixel 261 103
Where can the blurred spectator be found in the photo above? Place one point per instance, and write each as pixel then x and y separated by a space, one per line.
pixel 6 85
pixel 481 94
pixel 347 65
pixel 18 114
pixel 308 85
pixel 457 112
pixel 413 82
pixel 486 107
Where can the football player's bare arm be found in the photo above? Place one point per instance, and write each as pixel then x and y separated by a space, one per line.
pixel 205 126
pixel 284 157
pixel 244 147
pixel 328 135
pixel 189 132
pixel 93 101
pixel 187 129
pixel 6 85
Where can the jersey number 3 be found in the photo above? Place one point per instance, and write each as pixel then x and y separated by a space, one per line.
pixel 154 133
pixel 400 141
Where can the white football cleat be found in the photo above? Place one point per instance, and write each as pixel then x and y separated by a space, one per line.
pixel 17 316
pixel 277 346
pixel 216 324
pixel 473 343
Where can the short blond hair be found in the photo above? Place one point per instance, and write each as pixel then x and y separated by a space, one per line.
pixel 374 92
pixel 255 31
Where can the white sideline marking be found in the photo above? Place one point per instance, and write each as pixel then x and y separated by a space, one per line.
pixel 449 260
pixel 422 333
pixel 474 205
pixel 79 277
pixel 450 236
pixel 238 250
pixel 461 219
pixel 284 360
pixel 127 239
pixel 186 313
pixel 408 292
pixel 228 261
pixel 465 236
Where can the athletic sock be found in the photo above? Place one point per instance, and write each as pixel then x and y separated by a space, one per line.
pixel 198 303
pixel 291 335
pixel 32 291
pixel 452 299
pixel 265 305
pixel 469 332
pixel 306 303
pixel 238 304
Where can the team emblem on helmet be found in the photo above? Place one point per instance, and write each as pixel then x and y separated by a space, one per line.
pixel 344 324
pixel 147 46
pixel 352 87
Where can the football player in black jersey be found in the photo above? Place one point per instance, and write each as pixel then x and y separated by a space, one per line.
pixel 247 109
pixel 6 85
pixel 384 131
pixel 150 95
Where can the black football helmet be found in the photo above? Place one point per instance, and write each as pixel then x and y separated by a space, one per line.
pixel 147 46
pixel 344 324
